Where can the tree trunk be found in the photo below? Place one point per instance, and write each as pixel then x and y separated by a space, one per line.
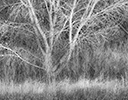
pixel 49 66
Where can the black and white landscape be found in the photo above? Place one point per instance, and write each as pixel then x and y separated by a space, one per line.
pixel 63 49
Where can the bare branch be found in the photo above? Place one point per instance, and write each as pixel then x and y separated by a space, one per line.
pixel 71 27
pixel 18 56
pixel 34 18
pixel 62 29
pixel 24 3
pixel 109 8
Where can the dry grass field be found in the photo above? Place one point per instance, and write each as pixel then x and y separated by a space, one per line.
pixel 63 49
pixel 65 90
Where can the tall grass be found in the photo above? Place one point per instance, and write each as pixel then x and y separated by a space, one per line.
pixel 67 87
pixel 51 40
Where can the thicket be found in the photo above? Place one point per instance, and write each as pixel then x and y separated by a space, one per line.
pixel 50 40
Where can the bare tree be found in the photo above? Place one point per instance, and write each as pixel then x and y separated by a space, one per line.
pixel 62 25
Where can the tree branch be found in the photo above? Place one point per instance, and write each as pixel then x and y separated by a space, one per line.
pixel 17 55
pixel 84 21
pixel 34 18
pixel 71 28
